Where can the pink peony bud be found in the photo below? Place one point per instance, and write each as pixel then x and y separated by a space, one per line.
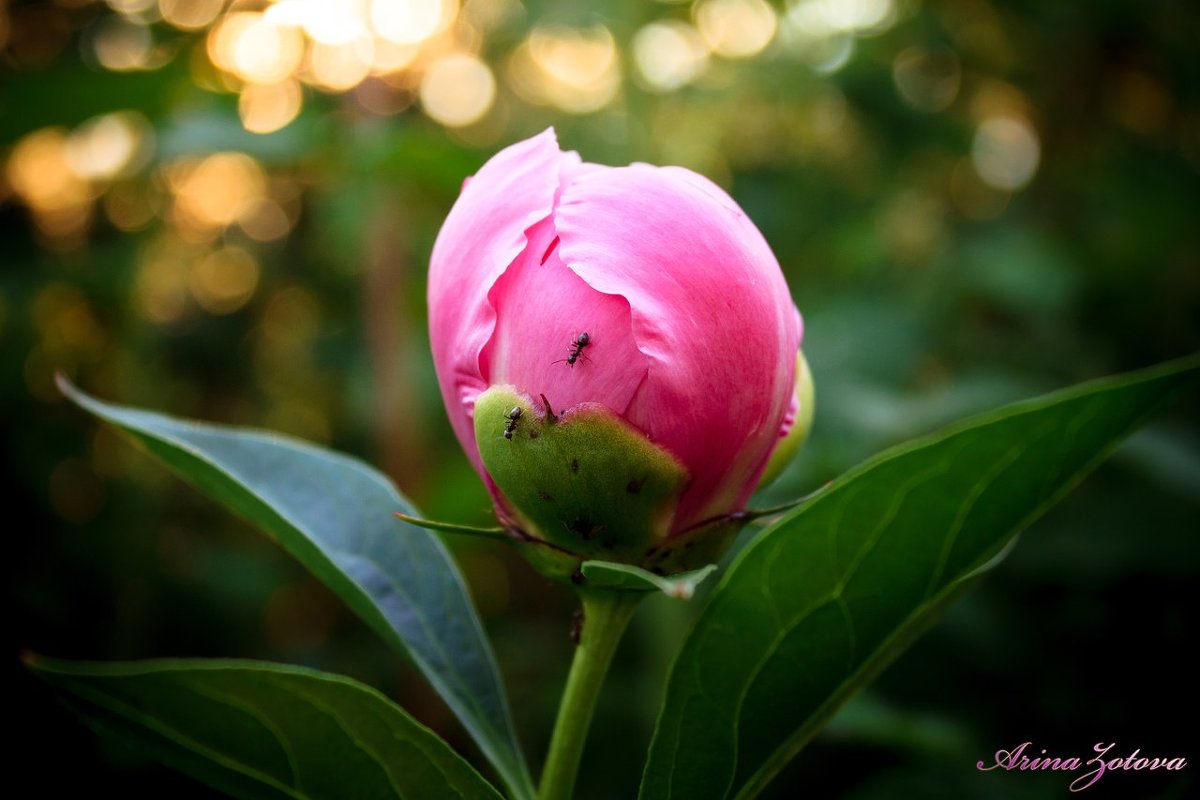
pixel 642 291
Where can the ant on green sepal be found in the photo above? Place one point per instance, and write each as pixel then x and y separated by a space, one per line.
pixel 512 417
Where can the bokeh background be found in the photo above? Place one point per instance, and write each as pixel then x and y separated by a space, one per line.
pixel 225 210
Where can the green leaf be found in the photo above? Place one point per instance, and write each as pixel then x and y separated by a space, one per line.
pixel 258 730
pixel 623 577
pixel 334 514
pixel 818 604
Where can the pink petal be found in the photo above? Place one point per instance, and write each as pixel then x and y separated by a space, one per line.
pixel 789 417
pixel 710 310
pixel 482 235
pixel 541 307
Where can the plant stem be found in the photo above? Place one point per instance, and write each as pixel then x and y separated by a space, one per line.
pixel 605 615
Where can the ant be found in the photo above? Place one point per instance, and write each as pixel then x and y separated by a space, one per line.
pixel 578 343
pixel 512 417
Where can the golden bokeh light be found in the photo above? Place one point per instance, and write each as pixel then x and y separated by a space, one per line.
pixel 59 174
pixel 488 15
pixel 40 173
pixel 224 280
pixel 217 191
pixel 577 70
pixel 190 15
pixel 324 21
pixel 826 17
pixel 267 222
pixel 131 8
pixel 736 28
pixel 411 21
pixel 254 48
pixel 994 98
pixel 669 54
pixel 392 57
pixel 342 66
pixel 122 45
pixel 826 52
pixel 265 108
pixel 458 90
pixel 110 145
pixel 1005 152
pixel 261 50
pixel 823 32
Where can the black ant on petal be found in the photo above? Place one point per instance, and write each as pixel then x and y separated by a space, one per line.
pixel 577 344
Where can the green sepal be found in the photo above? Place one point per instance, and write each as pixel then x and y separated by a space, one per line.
pixel 584 482
pixel 495 532
pixel 623 577
pixel 797 435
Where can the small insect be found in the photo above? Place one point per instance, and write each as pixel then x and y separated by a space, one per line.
pixel 577 344
pixel 512 417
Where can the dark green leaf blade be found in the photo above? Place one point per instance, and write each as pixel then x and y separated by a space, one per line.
pixel 821 601
pixel 334 514
pixel 258 730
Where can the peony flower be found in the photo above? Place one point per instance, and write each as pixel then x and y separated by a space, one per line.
pixel 639 296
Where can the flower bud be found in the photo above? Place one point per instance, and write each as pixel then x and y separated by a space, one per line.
pixel 645 306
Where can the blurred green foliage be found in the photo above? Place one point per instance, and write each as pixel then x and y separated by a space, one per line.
pixel 973 202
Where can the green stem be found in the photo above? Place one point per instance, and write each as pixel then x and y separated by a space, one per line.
pixel 605 615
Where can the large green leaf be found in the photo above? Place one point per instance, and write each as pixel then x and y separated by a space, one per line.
pixel 258 730
pixel 335 515
pixel 821 601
